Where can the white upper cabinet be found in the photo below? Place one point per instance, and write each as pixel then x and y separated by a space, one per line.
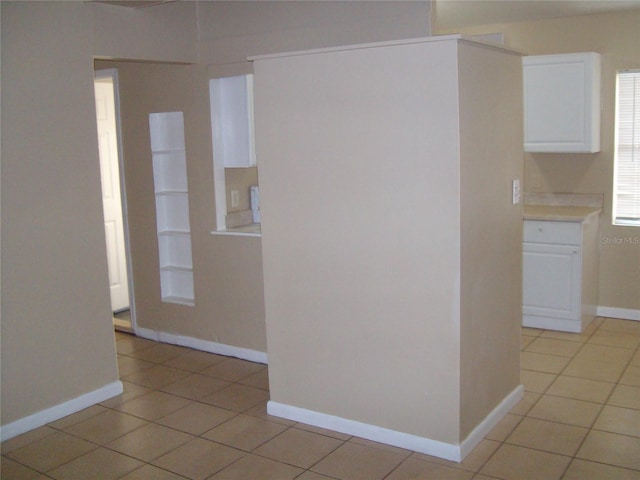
pixel 562 103
pixel 232 119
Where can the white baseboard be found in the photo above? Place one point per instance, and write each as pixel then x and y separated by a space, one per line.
pixel 56 412
pixel 614 312
pixel 490 421
pixel 204 345
pixel 549 323
pixel 365 430
pixel 387 436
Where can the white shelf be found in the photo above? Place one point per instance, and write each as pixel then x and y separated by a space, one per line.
pixel 174 232
pixel 175 250
pixel 167 131
pixel 176 283
pixel 179 300
pixel 169 171
pixel 172 212
pixel 172 207
pixel 172 192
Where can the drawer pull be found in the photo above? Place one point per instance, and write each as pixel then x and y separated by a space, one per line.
pixel 540 231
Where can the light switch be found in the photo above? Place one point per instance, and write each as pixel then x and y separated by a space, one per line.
pixel 235 198
pixel 515 198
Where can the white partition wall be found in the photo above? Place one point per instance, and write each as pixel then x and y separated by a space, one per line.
pixel 172 207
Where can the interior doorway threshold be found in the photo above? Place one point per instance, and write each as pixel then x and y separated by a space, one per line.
pixel 122 321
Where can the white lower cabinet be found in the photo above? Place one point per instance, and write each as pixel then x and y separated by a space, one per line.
pixel 551 282
pixel 559 285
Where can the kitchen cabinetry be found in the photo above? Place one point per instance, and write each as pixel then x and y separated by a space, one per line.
pixel 559 274
pixel 232 131
pixel 172 207
pixel 562 103
pixel 232 120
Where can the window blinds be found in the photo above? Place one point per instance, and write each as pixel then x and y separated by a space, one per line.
pixel 626 192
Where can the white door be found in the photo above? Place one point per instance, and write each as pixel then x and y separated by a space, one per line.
pixel 551 280
pixel 111 199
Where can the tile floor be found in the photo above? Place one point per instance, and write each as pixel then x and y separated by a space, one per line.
pixel 189 414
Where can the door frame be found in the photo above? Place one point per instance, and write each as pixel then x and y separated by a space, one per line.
pixel 112 73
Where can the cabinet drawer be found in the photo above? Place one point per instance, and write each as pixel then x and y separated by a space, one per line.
pixel 540 231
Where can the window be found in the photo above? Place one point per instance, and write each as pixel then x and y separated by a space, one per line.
pixel 626 186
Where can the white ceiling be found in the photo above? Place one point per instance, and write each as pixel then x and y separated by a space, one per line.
pixel 464 13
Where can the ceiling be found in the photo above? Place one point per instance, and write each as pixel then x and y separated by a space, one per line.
pixel 132 3
pixel 464 13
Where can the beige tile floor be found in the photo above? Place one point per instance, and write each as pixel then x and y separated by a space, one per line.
pixel 189 414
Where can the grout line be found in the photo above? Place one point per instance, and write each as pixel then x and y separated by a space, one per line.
pixel 191 401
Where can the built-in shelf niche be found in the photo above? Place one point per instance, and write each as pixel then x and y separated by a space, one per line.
pixel 172 207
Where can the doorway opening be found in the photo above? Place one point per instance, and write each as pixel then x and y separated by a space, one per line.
pixel 113 198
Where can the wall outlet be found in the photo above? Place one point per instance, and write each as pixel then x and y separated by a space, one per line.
pixel 515 191
pixel 235 198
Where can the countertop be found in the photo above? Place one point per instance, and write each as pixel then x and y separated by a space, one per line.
pixel 559 213
pixel 251 230
pixel 562 207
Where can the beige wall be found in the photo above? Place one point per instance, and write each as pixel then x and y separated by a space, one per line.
pixel 360 289
pixel 57 340
pixel 616 36
pixel 240 179
pixel 231 31
pixel 161 33
pixel 491 230
pixel 227 271
pixel 55 300
pixel 372 287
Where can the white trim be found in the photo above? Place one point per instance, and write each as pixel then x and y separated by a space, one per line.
pixel 552 323
pixel 387 436
pixel 623 313
pixel 219 175
pixel 204 345
pixel 365 430
pixel 56 412
pixel 233 233
pixel 490 421
pixel 113 74
pixel 357 46
pixel 388 43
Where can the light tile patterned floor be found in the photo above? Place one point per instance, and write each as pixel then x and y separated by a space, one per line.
pixel 189 414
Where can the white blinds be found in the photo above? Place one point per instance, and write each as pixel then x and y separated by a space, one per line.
pixel 626 193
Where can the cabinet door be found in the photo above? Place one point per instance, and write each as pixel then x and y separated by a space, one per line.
pixel 551 280
pixel 232 120
pixel 562 103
